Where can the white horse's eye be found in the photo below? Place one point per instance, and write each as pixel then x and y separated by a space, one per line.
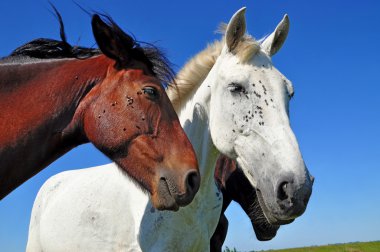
pixel 236 88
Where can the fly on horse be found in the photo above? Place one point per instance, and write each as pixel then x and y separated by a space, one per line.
pixel 54 97
pixel 230 99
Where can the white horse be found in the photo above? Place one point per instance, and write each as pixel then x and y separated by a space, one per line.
pixel 230 99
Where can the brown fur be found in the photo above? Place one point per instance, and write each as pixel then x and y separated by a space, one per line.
pixel 49 107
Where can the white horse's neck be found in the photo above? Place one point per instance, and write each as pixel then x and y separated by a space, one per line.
pixel 200 216
pixel 194 117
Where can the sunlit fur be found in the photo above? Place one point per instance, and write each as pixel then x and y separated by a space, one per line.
pixel 121 216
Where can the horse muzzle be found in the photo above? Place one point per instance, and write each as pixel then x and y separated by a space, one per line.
pixel 171 195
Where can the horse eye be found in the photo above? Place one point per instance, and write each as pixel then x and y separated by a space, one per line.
pixel 151 92
pixel 236 88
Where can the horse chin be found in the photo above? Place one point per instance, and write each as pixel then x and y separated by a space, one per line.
pixel 264 230
pixel 268 214
pixel 163 199
pixel 266 233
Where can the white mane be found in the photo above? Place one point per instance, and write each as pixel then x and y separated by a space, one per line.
pixel 197 68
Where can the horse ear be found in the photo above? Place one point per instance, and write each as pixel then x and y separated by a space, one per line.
pixel 110 42
pixel 223 169
pixel 274 42
pixel 235 29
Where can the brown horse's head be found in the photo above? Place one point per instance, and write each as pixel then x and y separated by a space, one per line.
pixel 129 117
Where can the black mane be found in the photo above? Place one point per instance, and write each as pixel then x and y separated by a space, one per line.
pixel 149 54
pixel 43 48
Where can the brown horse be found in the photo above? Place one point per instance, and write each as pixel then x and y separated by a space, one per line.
pixel 54 97
pixel 235 186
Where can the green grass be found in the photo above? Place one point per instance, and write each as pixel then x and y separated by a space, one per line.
pixel 347 247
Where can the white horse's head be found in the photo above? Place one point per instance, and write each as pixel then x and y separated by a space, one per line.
pixel 249 120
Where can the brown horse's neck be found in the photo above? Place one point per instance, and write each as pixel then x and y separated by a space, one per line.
pixel 37 102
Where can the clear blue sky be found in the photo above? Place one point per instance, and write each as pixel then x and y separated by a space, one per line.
pixel 331 55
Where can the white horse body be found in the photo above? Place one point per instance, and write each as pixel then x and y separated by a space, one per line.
pixel 100 209
pixel 60 226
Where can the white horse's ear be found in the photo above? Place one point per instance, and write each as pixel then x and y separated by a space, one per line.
pixel 274 42
pixel 235 29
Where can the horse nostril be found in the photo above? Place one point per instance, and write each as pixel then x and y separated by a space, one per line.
pixel 286 197
pixel 192 181
pixel 191 186
pixel 291 197
pixel 283 191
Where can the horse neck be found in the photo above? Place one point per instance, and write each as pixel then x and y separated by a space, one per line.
pixel 194 117
pixel 38 100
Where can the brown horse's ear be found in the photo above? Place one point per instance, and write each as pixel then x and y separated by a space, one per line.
pixel 113 43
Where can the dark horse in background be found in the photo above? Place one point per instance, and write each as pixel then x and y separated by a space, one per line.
pixel 54 97
pixel 236 187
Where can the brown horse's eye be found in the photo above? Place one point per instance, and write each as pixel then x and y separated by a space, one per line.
pixel 151 92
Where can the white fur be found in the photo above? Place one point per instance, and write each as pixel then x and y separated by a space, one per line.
pixel 100 209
